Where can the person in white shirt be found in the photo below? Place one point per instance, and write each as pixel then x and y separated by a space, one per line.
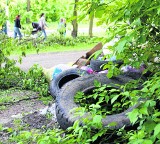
pixel 43 25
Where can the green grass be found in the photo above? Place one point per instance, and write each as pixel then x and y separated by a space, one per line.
pixel 54 48
pixel 58 48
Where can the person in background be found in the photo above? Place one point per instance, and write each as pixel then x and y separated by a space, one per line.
pixel 43 25
pixel 17 27
pixel 61 27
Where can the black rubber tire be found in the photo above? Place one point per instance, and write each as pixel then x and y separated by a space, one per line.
pixel 65 100
pixel 65 76
pixel 133 75
pixel 96 65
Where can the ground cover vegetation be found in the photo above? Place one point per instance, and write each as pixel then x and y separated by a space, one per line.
pixel 54 43
pixel 137 25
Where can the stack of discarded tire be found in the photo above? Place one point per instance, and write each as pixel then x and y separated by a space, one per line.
pixel 65 86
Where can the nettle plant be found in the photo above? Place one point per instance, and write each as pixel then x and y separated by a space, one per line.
pixel 148 114
pixel 106 99
pixel 100 101
pixel 35 80
pixel 136 23
pixel 13 76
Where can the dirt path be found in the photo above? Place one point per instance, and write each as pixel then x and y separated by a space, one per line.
pixel 48 60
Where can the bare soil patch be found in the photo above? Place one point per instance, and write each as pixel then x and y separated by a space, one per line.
pixel 25 112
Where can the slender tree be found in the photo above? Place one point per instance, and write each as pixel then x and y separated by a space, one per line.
pixel 91 18
pixel 28 9
pixel 74 22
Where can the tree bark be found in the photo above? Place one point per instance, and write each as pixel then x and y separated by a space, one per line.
pixel 91 25
pixel 74 22
pixel 28 9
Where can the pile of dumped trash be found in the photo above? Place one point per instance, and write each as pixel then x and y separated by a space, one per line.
pixel 67 80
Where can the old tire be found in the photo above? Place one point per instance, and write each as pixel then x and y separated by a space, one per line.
pixel 96 65
pixel 65 100
pixel 64 77
pixel 133 75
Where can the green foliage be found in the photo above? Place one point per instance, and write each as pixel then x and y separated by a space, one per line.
pixel 10 75
pixel 13 76
pixel 2 16
pixel 35 80
pixel 28 43
pixel 7 66
pixel 138 29
pixel 148 113
pixel 68 41
pixel 106 100
pixel 52 9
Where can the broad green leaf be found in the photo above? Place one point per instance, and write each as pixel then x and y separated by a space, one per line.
pixel 95 95
pixel 20 143
pixel 107 98
pixel 97 83
pixel 43 141
pixel 94 106
pixel 97 135
pixel 112 124
pixel 95 54
pixel 97 119
pixel 133 115
pixel 114 90
pixel 147 142
pixel 149 125
pixel 1 127
pixel 98 14
pixel 158 136
pixel 158 10
pixel 144 110
pixel 157 114
pixel 10 130
pixel 150 103
pixel 114 99
pixel 101 99
pixel 157 130
pixel 120 47
pixel 126 93
pixel 80 133
pixel 110 73
pixel 137 22
pixel 76 125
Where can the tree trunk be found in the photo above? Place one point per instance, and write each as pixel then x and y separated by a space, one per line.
pixel 28 9
pixel 91 25
pixel 74 22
